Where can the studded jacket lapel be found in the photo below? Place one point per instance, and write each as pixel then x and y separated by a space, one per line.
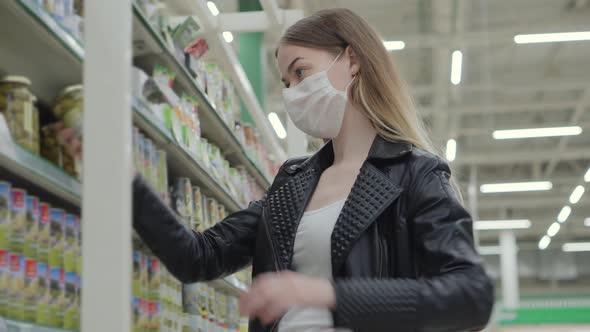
pixel 286 205
pixel 371 194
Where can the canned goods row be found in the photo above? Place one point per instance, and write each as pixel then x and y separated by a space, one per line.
pixel 150 162
pixel 210 310
pixel 156 294
pixel 40 261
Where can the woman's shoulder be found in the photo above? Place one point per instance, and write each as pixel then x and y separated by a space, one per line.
pixel 423 162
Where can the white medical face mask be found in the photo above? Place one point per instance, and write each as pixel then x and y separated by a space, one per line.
pixel 315 106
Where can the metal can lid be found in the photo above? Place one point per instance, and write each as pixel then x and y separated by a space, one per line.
pixel 15 79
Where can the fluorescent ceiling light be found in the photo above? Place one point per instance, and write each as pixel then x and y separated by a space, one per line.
pixel 587 222
pixel 552 37
pixel 456 67
pixel 515 187
pixel 394 45
pixel 544 243
pixel 576 246
pixel 489 250
pixel 213 8
pixel 537 132
pixel 451 150
pixel 487 225
pixel 587 176
pixel 228 36
pixel 553 229
pixel 577 194
pixel 564 214
pixel 277 125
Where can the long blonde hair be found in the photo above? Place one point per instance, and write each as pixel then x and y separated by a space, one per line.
pixel 378 91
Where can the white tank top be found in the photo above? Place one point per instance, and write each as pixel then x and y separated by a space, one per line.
pixel 311 257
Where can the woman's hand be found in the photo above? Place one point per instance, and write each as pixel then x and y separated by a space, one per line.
pixel 273 294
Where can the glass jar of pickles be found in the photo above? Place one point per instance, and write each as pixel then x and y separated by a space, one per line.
pixel 17 106
pixel 69 108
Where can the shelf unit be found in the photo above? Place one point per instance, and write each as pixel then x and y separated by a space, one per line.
pixel 151 49
pixel 54 60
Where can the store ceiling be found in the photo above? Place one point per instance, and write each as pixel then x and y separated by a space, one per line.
pixel 504 86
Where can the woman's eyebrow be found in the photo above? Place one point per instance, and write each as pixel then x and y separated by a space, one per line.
pixel 293 63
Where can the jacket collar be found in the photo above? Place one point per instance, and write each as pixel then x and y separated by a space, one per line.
pixel 381 149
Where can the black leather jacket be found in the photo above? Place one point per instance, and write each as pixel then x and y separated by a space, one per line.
pixel 403 256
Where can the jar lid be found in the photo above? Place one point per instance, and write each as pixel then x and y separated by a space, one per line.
pixel 70 89
pixel 15 79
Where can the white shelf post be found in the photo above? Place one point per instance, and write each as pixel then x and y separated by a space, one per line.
pixel 106 199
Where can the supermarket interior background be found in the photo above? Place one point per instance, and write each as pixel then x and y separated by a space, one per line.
pixel 503 86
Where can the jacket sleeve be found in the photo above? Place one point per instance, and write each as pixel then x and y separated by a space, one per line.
pixel 453 292
pixel 188 255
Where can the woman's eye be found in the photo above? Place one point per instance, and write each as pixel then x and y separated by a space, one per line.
pixel 299 73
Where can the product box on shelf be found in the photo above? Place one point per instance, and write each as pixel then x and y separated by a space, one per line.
pixel 221 309
pixel 4 280
pixel 154 278
pixel 139 274
pixel 5 213
pixel 31 290
pixel 18 220
pixel 16 288
pixel 44 233
pixel 212 307
pixel 57 230
pixel 198 209
pixel 57 296
pixel 70 311
pixel 213 211
pixel 44 293
pixel 32 227
pixel 71 243
pixel 182 200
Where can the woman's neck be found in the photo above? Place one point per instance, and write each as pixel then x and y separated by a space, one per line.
pixel 356 136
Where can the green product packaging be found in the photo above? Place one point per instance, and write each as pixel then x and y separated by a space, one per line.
pixel 185 33
pixel 18 217
pixel 57 298
pixel 5 213
pixel 154 278
pixel 31 290
pixel 71 243
pixel 70 312
pixel 44 294
pixel 154 316
pixel 4 280
pixel 136 315
pixel 163 174
pixel 16 288
pixel 57 240
pixel 198 209
pixel 32 227
pixel 44 233
pixel 147 161
pixel 138 262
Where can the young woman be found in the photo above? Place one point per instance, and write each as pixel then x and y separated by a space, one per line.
pixel 368 234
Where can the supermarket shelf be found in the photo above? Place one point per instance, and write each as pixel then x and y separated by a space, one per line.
pixel 39 31
pixel 151 49
pixel 32 40
pixel 43 174
pixel 180 162
pixel 230 285
pixel 212 25
pixel 14 326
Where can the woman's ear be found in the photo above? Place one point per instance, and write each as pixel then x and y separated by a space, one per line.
pixel 354 61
